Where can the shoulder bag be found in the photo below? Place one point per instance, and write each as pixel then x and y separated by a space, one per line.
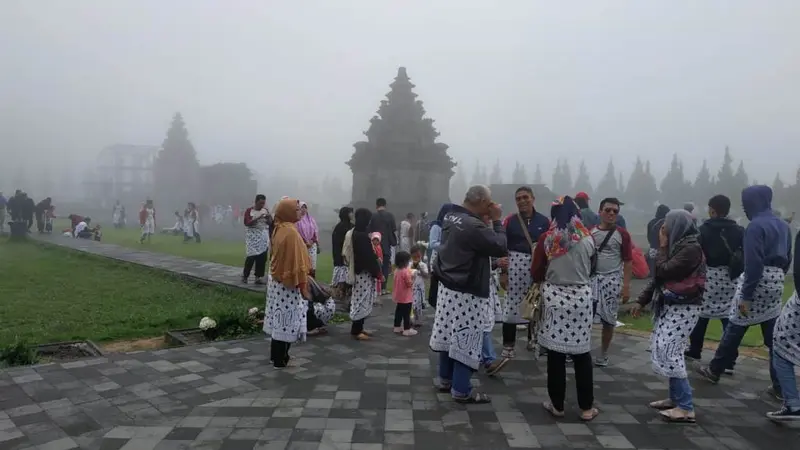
pixel 531 303
pixel 600 249
pixel 735 259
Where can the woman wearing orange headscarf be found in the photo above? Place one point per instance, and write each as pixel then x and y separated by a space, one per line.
pixel 285 319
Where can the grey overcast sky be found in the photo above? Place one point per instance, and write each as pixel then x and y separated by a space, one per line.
pixel 293 83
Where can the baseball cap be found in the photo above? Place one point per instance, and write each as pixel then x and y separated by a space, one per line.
pixel 582 194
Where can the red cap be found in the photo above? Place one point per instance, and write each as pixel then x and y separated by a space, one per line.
pixel 583 195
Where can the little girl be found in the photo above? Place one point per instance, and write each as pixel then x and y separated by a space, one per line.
pixel 420 269
pixel 376 247
pixel 402 294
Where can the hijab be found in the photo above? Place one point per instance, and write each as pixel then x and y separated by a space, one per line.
pixel 679 224
pixel 566 228
pixel 290 262
pixel 307 226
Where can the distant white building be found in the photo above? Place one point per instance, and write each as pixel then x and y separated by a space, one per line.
pixel 122 172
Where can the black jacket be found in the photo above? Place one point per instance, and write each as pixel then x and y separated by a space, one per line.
pixel 462 263
pixel 383 222
pixel 711 232
pixel 364 258
pixel 339 232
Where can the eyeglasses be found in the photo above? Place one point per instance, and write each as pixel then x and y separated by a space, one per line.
pixel 611 210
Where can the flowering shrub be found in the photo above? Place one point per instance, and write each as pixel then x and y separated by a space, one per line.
pixel 232 324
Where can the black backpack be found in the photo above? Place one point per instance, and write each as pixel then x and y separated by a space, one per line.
pixel 736 258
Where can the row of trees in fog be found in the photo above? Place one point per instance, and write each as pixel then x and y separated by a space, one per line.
pixel 641 189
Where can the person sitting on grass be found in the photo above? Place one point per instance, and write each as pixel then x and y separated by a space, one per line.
pixel 84 231
pixel 176 229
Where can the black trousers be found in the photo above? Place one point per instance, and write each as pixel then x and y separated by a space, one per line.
pixel 187 238
pixel 557 379
pixel 433 291
pixel 402 314
pixel 357 327
pixel 386 268
pixel 260 261
pixel 312 322
pixel 29 221
pixel 279 353
pixel 40 222
pixel 698 336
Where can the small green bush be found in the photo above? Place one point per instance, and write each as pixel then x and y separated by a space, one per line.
pixel 20 353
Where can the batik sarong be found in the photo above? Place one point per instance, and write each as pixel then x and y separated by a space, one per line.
pixel 786 337
pixel 519 282
pixel 285 317
pixel 364 295
pixel 670 336
pixel 718 296
pixel 566 323
pixel 458 326
pixel 766 301
pixel 606 289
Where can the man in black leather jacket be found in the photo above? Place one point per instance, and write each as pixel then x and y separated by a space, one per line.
pixel 463 269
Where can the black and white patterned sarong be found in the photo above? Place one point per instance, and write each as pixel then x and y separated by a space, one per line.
pixel 312 254
pixel 285 317
pixel 492 310
pixel 365 292
pixel 324 311
pixel 606 289
pixel 458 326
pixel 718 296
pixel 519 282
pixel 566 324
pixel 766 301
pixel 339 275
pixel 786 337
pixel 669 339
pixel 418 303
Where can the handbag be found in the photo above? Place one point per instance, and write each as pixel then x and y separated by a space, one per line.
pixel 735 261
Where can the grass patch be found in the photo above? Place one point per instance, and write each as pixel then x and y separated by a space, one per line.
pixel 714 333
pixel 55 294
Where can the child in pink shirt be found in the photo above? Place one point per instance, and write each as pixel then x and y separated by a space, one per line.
pixel 402 294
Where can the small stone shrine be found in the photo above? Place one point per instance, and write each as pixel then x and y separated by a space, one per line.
pixel 401 160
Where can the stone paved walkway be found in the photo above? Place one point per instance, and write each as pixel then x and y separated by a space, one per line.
pixel 200 270
pixel 344 394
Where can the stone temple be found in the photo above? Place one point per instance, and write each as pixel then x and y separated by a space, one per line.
pixel 401 160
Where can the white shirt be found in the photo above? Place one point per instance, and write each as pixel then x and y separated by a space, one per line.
pixel 80 227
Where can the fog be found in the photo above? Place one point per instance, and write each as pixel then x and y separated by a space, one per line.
pixel 288 87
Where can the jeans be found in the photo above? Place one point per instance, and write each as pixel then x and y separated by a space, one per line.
pixel 557 379
pixel 402 314
pixel 698 336
pixel 386 268
pixel 729 347
pixel 681 393
pixel 784 374
pixel 455 374
pixel 488 355
pixel 260 261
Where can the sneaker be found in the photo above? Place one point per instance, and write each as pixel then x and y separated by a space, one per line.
pixel 729 372
pixel 244 280
pixel 397 329
pixel 686 355
pixel 410 332
pixel 508 353
pixel 601 361
pixel 706 373
pixel 522 326
pixel 784 415
pixel 259 281
pixel 496 366
pixel 774 393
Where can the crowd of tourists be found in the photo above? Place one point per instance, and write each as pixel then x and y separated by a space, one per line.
pixel 559 272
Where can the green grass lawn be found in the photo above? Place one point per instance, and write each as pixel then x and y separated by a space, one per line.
pixel 751 339
pixel 54 294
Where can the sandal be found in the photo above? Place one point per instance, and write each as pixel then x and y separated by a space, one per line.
pixel 475 398
pixel 677 415
pixel 588 416
pixel 361 337
pixel 548 406
pixel 662 404
pixel 444 388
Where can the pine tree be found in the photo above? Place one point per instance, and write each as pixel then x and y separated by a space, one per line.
pixel 567 178
pixel 558 174
pixel 458 184
pixel 674 188
pixel 703 188
pixel 778 191
pixel 537 175
pixel 176 169
pixel 608 186
pixel 740 178
pixel 497 176
pixel 726 183
pixel 477 178
pixel 583 183
pixel 650 193
pixel 621 188
pixel 520 175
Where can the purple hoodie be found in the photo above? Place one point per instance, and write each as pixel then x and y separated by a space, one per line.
pixel 767 239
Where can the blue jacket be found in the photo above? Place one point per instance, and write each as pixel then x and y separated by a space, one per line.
pixel 516 237
pixel 767 239
pixel 589 218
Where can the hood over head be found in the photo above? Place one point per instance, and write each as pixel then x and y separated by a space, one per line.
pixel 678 223
pixel 363 216
pixel 662 211
pixel 344 213
pixel 756 200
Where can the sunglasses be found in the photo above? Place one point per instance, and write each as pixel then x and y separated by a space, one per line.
pixel 611 210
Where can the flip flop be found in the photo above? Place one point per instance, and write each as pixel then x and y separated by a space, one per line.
pixel 548 406
pixel 662 404
pixel 476 398
pixel 669 417
pixel 594 412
